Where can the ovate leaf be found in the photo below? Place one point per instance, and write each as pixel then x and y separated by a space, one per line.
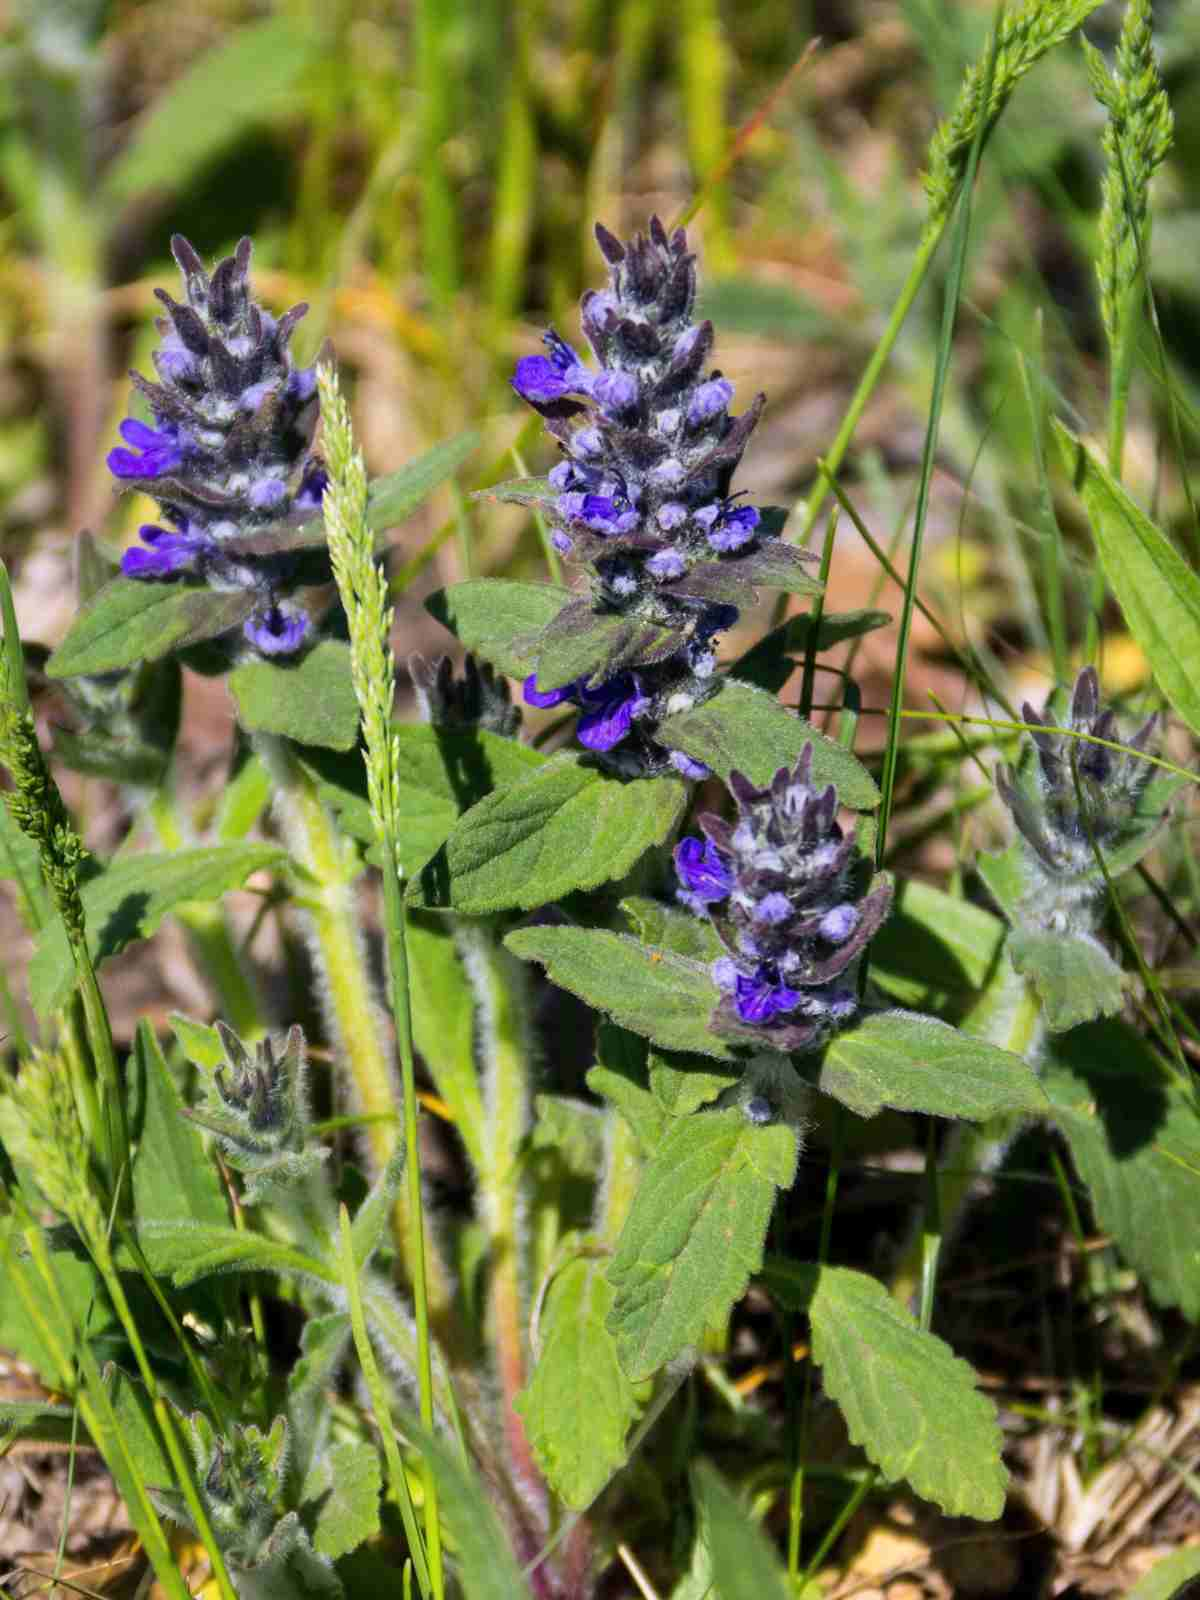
pixel 621 1077
pixel 908 1400
pixel 695 1232
pixel 682 1084
pixel 310 698
pixel 579 1404
pixel 1076 979
pixel 916 1063
pixel 129 899
pixel 664 997
pixel 742 728
pixel 569 825
pixel 496 617
pixel 936 950
pixel 1158 591
pixel 345 1483
pixel 1166 1578
pixel 669 928
pixel 743 1564
pixel 132 620
pixel 1135 1139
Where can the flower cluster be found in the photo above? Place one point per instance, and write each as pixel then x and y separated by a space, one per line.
pixel 784 891
pixel 642 494
pixel 259 1111
pixel 1080 796
pixel 228 457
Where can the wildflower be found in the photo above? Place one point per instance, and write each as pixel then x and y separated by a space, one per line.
pixel 642 494
pixel 228 456
pixel 1076 797
pixel 784 890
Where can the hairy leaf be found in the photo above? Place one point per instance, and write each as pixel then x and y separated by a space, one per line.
pixel 683 1083
pixel 579 1404
pixel 742 728
pixel 669 928
pixel 443 1013
pixel 496 617
pixel 935 950
pixel 908 1400
pixel 1155 587
pixel 1076 979
pixel 132 620
pixel 695 1232
pixel 771 662
pixel 310 699
pixel 621 1077
pixel 916 1063
pixel 23 1305
pixel 569 825
pixel 39 1422
pixel 129 899
pixel 600 643
pixel 1135 1139
pixel 666 998
pixel 345 1482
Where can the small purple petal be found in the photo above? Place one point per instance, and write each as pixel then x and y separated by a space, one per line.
pixel 669 473
pixel 312 486
pixel 537 379
pixel 167 553
pixel 277 631
pixel 175 364
pixel 725 972
pixel 709 400
pixel 562 542
pixel 561 476
pixel 302 383
pixel 841 1004
pixel 268 493
pixel 837 925
pixel 666 564
pixel 757 999
pixel 671 514
pixel 606 727
pixel 162 451
pixel 587 442
pixel 702 871
pixel 615 391
pixel 695 770
pixel 772 908
pixel 254 394
pixel 736 528
pixel 545 697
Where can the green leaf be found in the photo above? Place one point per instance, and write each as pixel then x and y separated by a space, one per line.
pixel 666 998
pixel 346 1481
pixel 1076 979
pixel 443 772
pixel 537 492
pixel 392 500
pixel 744 1566
pixel 770 663
pixel 443 1015
pixel 497 618
pixel 569 825
pixel 682 1084
pixel 250 76
pixel 129 899
pixel 916 1063
pixel 21 1285
pixel 39 1422
pixel 133 619
pixel 600 642
pixel 695 1232
pixel 187 1252
pixel 138 1428
pixel 314 1373
pixel 199 1043
pixel 1166 1578
pixel 1157 590
pixel 742 728
pixel 935 951
pixel 309 698
pixel 669 928
pixel 1135 1139
pixel 620 1077
pixel 173 1176
pixel 908 1400
pixel 1004 875
pixel 579 1404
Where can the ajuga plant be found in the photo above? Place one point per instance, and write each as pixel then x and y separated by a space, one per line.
pixel 639 955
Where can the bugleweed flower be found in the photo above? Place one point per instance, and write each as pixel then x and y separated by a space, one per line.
pixel 1081 796
pixel 258 1111
pixel 643 494
pixel 786 893
pixel 228 457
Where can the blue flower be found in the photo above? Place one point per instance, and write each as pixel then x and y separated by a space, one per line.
pixel 161 448
pixel 278 629
pixel 782 888
pixel 167 551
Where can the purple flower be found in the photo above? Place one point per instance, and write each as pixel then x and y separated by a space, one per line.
pixel 687 767
pixel 760 998
pixel 168 552
pixel 542 698
pixel 277 630
pixel 161 449
pixel 735 527
pixel 666 564
pixel 837 925
pixel 615 705
pixel 709 400
pixel 312 487
pixel 542 379
pixel 268 494
pixel 615 391
pixel 705 877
